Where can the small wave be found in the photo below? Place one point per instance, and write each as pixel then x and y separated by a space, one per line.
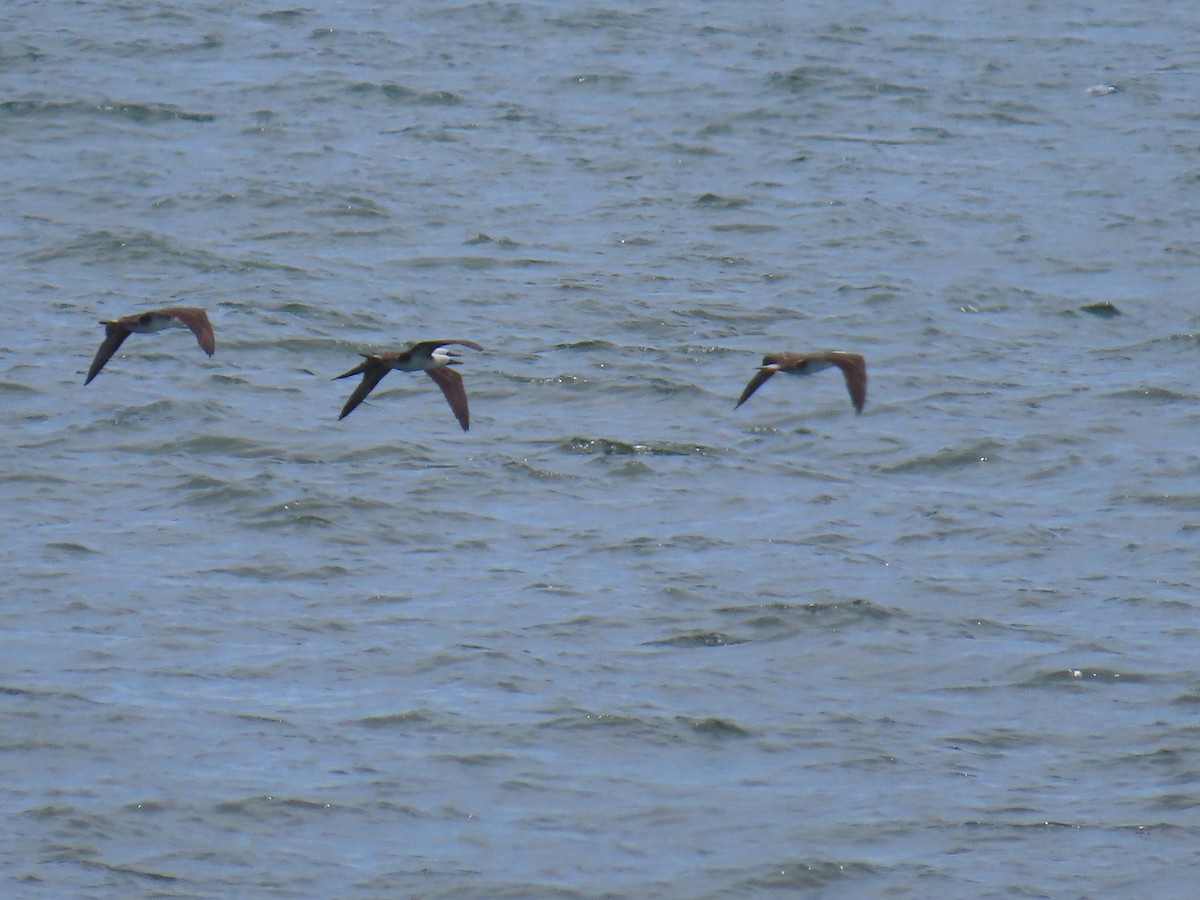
pixel 104 246
pixel 1151 394
pixel 806 875
pixel 1182 502
pixel 698 639
pixel 947 458
pixel 716 201
pixel 134 112
pixel 1091 674
pixel 403 94
pixel 714 727
pixel 609 447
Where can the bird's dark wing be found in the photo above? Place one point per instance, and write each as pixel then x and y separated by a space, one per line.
pixel 114 336
pixel 197 320
pixel 372 373
pixel 360 368
pixel 760 377
pixel 854 367
pixel 451 384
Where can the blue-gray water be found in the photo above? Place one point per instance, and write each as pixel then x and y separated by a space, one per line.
pixel 618 639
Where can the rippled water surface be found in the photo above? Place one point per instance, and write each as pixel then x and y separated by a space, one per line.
pixel 618 639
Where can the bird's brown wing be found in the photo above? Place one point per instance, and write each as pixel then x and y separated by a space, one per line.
pixel 114 336
pixel 756 382
pixel 197 320
pixel 372 373
pixel 854 367
pixel 451 384
pixel 368 359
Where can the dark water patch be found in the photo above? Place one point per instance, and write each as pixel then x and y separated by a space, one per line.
pixel 260 719
pixel 269 806
pixel 42 695
pixel 126 869
pixel 46 478
pixel 698 639
pixel 669 387
pixel 995 739
pixel 947 458
pixel 292 16
pixel 269 571
pixel 477 759
pixel 677 148
pixel 399 93
pixel 102 247
pixel 386 599
pixel 307 346
pixel 588 345
pixel 1189 337
pixel 586 720
pixel 732 262
pixel 147 414
pixel 698 352
pixel 524 469
pixel 716 201
pixel 789 616
pixel 226 445
pixel 612 81
pixel 397 720
pixel 589 19
pixel 882 140
pixel 327 626
pixel 134 112
pixel 1103 310
pixel 1176 801
pixel 148 806
pixel 568 380
pixel 225 378
pixel 804 79
pixel 355 207
pixel 1012 116
pixel 70 547
pixel 554 590
pixel 473 263
pixel 695 542
pixel 623 467
pixel 816 538
pixel 203 490
pixel 302 514
pixel 413 456
pixel 738 316
pixel 1154 395
pixel 745 227
pixel 789 877
pixel 1165 757
pixel 977 627
pixel 713 727
pixel 609 447
pixel 1087 674
pixel 481 238
pixel 1189 698
pixel 1179 502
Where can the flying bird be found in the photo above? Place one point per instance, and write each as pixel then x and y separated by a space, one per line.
pixel 430 357
pixel 116 330
pixel 853 366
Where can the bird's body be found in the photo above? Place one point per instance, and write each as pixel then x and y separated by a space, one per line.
pixel 116 330
pixel 853 367
pixel 430 357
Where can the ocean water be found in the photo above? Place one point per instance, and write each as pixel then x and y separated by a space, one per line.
pixel 619 639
